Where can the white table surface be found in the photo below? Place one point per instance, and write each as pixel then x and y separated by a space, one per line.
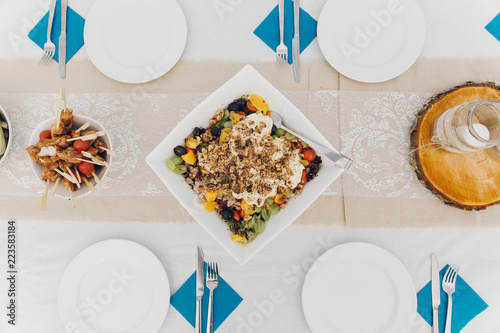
pixel 45 248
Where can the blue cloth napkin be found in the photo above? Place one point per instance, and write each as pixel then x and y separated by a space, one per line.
pixel 269 31
pixel 226 300
pixel 494 27
pixel 74 31
pixel 466 304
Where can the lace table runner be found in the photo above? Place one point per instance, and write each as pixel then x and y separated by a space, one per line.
pixel 373 126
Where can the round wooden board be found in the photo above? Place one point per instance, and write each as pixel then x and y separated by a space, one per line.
pixel 467 181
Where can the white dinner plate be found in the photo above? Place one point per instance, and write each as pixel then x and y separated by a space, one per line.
pixel 246 81
pixel 135 41
pixel 359 287
pixel 114 286
pixel 371 40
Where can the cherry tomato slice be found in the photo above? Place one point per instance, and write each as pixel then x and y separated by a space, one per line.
pixel 279 198
pixel 81 145
pixel 236 215
pixel 45 134
pixel 190 149
pixel 309 154
pixel 303 180
pixel 86 167
pixel 297 145
pixel 250 107
pixel 241 113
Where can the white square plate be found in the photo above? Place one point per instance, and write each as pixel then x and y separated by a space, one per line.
pixel 246 81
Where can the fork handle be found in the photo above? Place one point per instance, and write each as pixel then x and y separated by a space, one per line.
pixel 210 317
pixel 51 18
pixel 447 328
pixel 281 10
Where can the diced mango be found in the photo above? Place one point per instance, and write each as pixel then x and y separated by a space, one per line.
pixel 189 158
pixel 238 239
pixel 279 199
pixel 237 118
pixel 209 206
pixel 193 143
pixel 247 209
pixel 259 103
pixel 224 135
pixel 304 162
pixel 211 195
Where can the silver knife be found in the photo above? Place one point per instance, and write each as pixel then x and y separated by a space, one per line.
pixel 436 294
pixel 200 289
pixel 296 41
pixel 62 39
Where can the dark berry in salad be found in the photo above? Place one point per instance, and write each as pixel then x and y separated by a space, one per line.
pixel 179 150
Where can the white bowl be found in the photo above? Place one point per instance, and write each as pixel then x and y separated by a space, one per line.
pixel 78 121
pixel 247 81
pixel 5 117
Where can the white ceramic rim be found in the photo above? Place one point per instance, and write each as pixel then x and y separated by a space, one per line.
pixel 78 121
pixel 93 38
pixel 364 253
pixel 5 117
pixel 87 257
pixel 415 39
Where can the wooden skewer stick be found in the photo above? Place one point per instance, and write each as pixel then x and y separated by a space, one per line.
pixel 89 184
pixel 43 203
pixel 100 133
pixel 73 176
pixel 84 126
pixel 110 152
pixel 72 199
pixel 84 138
pixel 78 174
pixel 87 154
pixel 93 162
pixel 63 96
pixel 65 175
pixel 97 180
pixel 54 188
pixel 57 113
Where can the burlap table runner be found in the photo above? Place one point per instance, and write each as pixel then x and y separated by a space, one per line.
pixel 358 211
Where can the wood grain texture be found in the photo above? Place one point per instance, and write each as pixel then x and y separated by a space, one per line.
pixel 467 181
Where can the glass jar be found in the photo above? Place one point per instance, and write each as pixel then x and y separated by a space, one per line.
pixel 469 127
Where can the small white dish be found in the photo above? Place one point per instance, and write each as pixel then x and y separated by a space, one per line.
pixel 247 81
pixel 359 287
pixel 135 41
pixel 371 40
pixel 78 121
pixel 5 117
pixel 114 286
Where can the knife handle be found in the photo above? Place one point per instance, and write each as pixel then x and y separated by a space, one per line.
pixel 296 15
pixel 197 323
pixel 435 321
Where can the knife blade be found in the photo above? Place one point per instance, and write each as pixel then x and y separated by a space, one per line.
pixel 62 39
pixel 296 40
pixel 200 289
pixel 436 293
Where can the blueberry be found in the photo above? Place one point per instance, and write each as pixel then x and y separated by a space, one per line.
pixel 215 131
pixel 274 129
pixel 227 214
pixel 179 150
pixel 197 131
pixel 242 103
pixel 233 106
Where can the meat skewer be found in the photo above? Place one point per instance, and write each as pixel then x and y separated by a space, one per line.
pixel 43 203
pixel 54 188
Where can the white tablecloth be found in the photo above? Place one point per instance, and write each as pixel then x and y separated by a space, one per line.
pixel 45 248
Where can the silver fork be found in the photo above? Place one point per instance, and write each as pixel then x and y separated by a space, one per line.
pixel 281 50
pixel 212 283
pixel 449 280
pixel 49 49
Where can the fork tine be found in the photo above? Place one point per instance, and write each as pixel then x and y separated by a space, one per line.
pixel 216 271
pixel 42 59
